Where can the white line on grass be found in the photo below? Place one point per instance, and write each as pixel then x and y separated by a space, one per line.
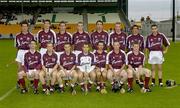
pixel 7 93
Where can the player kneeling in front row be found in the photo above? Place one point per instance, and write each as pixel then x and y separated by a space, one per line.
pixel 86 69
pixel 67 69
pixel 49 69
pixel 101 67
pixel 135 62
pixel 32 66
pixel 116 73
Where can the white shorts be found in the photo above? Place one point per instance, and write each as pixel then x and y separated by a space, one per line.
pixel 77 52
pixel 48 73
pixel 30 74
pixel 156 57
pixel 42 51
pixel 116 70
pixel 88 70
pixel 20 55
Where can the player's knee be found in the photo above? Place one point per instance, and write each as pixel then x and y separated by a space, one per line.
pixel 130 73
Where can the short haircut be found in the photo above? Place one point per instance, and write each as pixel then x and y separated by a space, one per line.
pixel 33 41
pixel 24 22
pixel 135 43
pixel 99 21
pixel 154 25
pixel 62 22
pixel 86 44
pixel 118 23
pixel 80 23
pixel 47 20
pixel 100 42
pixel 134 26
pixel 67 43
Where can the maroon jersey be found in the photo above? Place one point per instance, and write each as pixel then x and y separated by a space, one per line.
pixel 135 60
pixel 22 41
pixel 116 60
pixel 32 60
pixel 100 59
pixel 155 43
pixel 135 38
pixel 67 61
pixel 79 40
pixel 86 59
pixel 61 39
pixel 49 61
pixel 96 37
pixel 121 38
pixel 45 37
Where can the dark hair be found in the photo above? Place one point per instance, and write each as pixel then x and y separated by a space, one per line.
pixel 118 23
pixel 136 43
pixel 86 44
pixel 80 23
pixel 24 22
pixel 62 22
pixel 134 26
pixel 154 25
pixel 50 43
pixel 99 21
pixel 47 20
pixel 101 42
pixel 33 41
pixel 67 43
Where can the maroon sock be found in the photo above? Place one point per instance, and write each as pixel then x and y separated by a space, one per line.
pixel 36 83
pixel 44 86
pixel 160 80
pixel 22 83
pixel 130 82
pixel 146 85
pixel 52 86
pixel 153 80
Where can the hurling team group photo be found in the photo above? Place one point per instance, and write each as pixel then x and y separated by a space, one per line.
pixel 56 62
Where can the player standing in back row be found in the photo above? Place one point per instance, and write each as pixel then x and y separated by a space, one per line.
pixel 46 35
pixel 154 44
pixel 99 35
pixel 135 37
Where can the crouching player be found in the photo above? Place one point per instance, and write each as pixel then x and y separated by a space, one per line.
pixel 135 62
pixel 67 69
pixel 101 68
pixel 86 69
pixel 117 75
pixel 49 69
pixel 32 66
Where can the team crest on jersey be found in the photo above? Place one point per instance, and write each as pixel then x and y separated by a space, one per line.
pixel 139 58
pixel 151 40
pixel 159 39
pixel 64 58
pixel 132 58
pixel 49 36
pixel 103 36
pixel 53 59
pixel 115 38
pixel 84 36
pixel 71 58
pixel 29 58
pixel 36 57
pixel 21 38
pixel 28 38
pixel 65 38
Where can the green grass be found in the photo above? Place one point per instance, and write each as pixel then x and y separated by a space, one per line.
pixel 159 98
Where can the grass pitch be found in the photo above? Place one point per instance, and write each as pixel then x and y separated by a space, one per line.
pixel 158 98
